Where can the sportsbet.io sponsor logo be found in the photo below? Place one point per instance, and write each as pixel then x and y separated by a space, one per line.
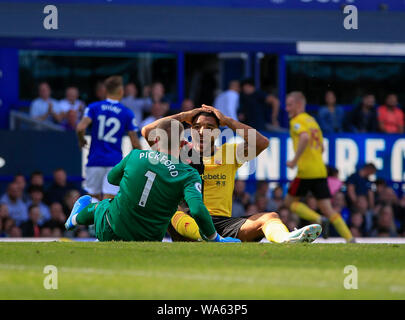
pixel 214 176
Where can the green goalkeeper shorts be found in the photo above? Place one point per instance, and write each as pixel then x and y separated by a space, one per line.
pixel 101 224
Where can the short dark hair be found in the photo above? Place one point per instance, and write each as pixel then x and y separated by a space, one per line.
pixel 32 206
pixel 248 81
pixel 36 173
pixel 35 188
pixel 113 83
pixel 207 114
pixel 370 166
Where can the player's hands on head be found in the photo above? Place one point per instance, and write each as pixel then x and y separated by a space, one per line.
pixel 222 118
pixel 188 116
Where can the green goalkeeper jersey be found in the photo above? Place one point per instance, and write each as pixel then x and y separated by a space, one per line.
pixel 151 186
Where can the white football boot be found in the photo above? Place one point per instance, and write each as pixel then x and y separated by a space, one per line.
pixel 305 234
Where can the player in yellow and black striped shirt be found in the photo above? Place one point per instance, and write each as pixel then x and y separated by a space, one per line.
pixel 217 167
pixel 312 174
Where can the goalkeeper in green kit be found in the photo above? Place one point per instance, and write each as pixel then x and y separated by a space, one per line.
pixel 152 184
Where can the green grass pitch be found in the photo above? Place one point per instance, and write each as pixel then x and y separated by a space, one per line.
pixel 117 270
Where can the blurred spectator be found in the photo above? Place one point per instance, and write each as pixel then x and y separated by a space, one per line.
pixel 37 179
pixel 261 202
pixel 385 223
pixel 44 107
pixel 228 101
pixel 16 206
pixel 241 199
pixel 157 93
pixel 71 120
pixel 72 102
pixel 59 187
pixel 37 195
pixel 100 91
pixel 187 105
pixel 8 225
pixel 31 227
pixel 331 115
pixel 290 220
pixel 21 182
pixel 258 109
pixel 401 215
pixel 364 117
pixel 15 232
pixel 380 185
pixel 57 220
pixel 389 197
pixel 368 214
pixel 390 116
pixel 334 182
pixel 359 184
pixel 137 105
pixel 69 201
pixel 4 213
pixel 340 206
pixel 276 201
pixel 240 194
pixel 356 224
pixel 82 232
pixel 251 209
pixel 158 111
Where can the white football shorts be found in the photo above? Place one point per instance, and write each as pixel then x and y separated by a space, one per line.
pixel 96 181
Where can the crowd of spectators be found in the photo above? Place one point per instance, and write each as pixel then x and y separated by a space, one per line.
pixel 33 209
pixel 370 209
pixel 241 101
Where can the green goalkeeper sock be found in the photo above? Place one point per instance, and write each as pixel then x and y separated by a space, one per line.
pixel 86 216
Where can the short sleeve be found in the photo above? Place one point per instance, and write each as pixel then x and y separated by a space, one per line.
pixel 298 127
pixel 89 112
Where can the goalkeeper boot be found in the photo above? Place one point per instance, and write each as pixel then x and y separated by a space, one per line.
pixel 305 234
pixel 80 204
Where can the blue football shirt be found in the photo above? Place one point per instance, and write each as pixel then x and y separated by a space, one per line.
pixel 110 122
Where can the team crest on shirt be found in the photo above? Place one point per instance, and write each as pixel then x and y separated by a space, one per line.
pixel 197 185
pixel 134 122
pixel 296 126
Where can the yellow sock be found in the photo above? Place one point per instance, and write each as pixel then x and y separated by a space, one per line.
pixel 275 230
pixel 304 212
pixel 186 226
pixel 341 226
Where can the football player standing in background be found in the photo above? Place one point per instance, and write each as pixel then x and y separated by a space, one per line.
pixel 312 174
pixel 110 121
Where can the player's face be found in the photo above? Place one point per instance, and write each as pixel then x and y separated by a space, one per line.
pixel 292 107
pixel 204 133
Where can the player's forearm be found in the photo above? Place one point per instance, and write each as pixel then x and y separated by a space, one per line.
pixel 261 141
pixel 115 175
pixel 302 144
pixel 146 130
pixel 201 215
